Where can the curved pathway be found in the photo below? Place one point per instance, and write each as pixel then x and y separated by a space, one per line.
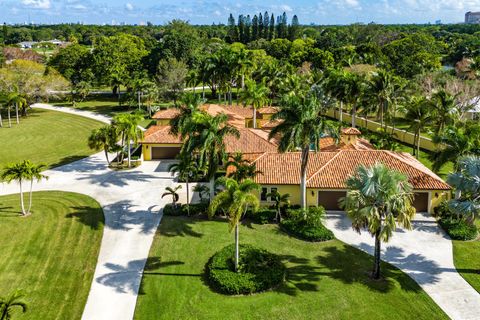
pixel 78 112
pixel 425 254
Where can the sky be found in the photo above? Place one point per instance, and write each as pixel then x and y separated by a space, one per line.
pixel 217 11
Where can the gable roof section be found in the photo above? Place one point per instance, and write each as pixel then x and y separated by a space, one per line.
pixel 330 170
pixel 160 134
pixel 166 114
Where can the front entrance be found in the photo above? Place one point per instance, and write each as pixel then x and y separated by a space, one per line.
pixel 159 153
pixel 329 199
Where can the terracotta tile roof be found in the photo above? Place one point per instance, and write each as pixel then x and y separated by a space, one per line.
pixel 328 144
pixel 268 110
pixel 234 119
pixel 329 170
pixel 351 131
pixel 160 134
pixel 166 114
pixel 249 142
pixel 264 135
pixel 245 112
pixel 269 125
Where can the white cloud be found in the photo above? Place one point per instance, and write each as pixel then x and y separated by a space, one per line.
pixel 37 4
pixel 286 8
pixel 129 6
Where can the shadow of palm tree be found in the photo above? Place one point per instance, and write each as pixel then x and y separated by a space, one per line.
pixel 179 227
pixel 124 279
pixel 92 217
pixel 123 215
pixel 301 276
pixel 8 212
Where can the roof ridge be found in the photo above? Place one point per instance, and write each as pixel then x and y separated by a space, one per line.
pixel 261 156
pixel 427 171
pixel 326 164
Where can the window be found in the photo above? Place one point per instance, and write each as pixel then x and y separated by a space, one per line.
pixel 263 195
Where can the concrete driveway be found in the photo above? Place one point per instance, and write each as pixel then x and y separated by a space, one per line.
pixel 425 254
pixel 132 205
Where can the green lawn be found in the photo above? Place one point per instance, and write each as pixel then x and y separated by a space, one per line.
pixel 325 280
pixel 49 137
pixel 52 254
pixel 467 260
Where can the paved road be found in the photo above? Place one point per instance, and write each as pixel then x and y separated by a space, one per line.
pixel 425 254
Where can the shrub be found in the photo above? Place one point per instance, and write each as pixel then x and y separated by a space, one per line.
pixel 259 270
pixel 458 228
pixel 307 224
pixel 170 210
pixel 195 209
pixel 262 216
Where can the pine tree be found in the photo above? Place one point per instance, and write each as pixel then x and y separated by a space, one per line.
pixel 255 28
pixel 271 34
pixel 294 28
pixel 232 33
pixel 266 24
pixel 241 28
pixel 261 30
pixel 5 33
pixel 248 28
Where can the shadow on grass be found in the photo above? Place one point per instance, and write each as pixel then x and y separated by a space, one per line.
pixel 8 212
pixel 92 217
pixel 67 160
pixel 301 277
pixel 179 227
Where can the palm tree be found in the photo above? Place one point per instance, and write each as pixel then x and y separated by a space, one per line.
pixel 172 192
pixel 185 168
pixel 381 87
pixel 243 168
pixel 466 181
pixel 377 199
pixel 279 200
pixel 206 138
pixel 303 124
pixel 20 172
pixel 235 199
pixel 17 101
pixel 419 116
pixel 255 95
pixel 181 123
pixel 445 111
pixel 104 138
pixel 8 303
pixel 127 124
pixel 455 142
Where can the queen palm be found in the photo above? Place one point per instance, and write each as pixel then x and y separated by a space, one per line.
pixel 127 124
pixel 235 199
pixel 8 303
pixel 185 168
pixel 206 139
pixel 377 199
pixel 255 95
pixel 172 192
pixel 17 101
pixel 21 172
pixel 445 110
pixel 104 138
pixel 419 116
pixel 279 200
pixel 381 87
pixel 244 168
pixel 303 123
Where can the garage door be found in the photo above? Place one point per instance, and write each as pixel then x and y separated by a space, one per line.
pixel 165 152
pixel 420 202
pixel 329 199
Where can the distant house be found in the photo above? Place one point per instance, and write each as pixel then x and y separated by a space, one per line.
pixel 472 109
pixel 27 44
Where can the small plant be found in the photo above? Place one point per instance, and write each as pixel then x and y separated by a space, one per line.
pixel 172 192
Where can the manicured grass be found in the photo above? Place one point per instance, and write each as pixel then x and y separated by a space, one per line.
pixel 45 136
pixel 467 260
pixel 52 254
pixel 328 280
pixel 105 105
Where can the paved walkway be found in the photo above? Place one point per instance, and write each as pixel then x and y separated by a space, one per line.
pixel 78 112
pixel 132 204
pixel 425 254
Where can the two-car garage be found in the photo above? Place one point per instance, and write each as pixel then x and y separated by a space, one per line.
pixel 160 153
pixel 330 200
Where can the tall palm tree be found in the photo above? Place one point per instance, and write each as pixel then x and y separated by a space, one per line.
pixel 104 138
pixel 381 87
pixel 303 123
pixel 207 140
pixel 20 172
pixel 172 192
pixel 17 101
pixel 185 168
pixel 8 303
pixel 244 168
pixel 466 181
pixel 377 199
pixel 455 142
pixel 127 124
pixel 445 111
pixel 235 199
pixel 419 116
pixel 181 124
pixel 354 85
pixel 279 200
pixel 255 95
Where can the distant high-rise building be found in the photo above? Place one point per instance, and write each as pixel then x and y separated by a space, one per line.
pixel 472 17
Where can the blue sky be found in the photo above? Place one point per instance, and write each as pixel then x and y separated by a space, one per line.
pixel 215 11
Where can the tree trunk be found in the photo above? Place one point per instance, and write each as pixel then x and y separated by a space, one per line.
pixel 354 114
pixel 243 81
pixel 9 118
pixel 341 113
pixel 119 96
pixel 376 266
pixel 236 248
pixel 21 198
pixel 303 177
pixel 203 91
pixel 106 156
pixel 212 188
pixel 129 154
pixel 16 111
pixel 30 200
pixel 254 117
pixel 188 197
pixel 418 144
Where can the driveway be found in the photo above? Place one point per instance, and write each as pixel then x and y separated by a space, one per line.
pixel 425 254
pixel 132 205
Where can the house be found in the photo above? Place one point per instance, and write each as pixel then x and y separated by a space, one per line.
pixel 472 109
pixel 27 44
pixel 328 171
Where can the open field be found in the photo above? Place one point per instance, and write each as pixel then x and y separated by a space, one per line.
pixel 52 254
pixel 325 280
pixel 49 137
